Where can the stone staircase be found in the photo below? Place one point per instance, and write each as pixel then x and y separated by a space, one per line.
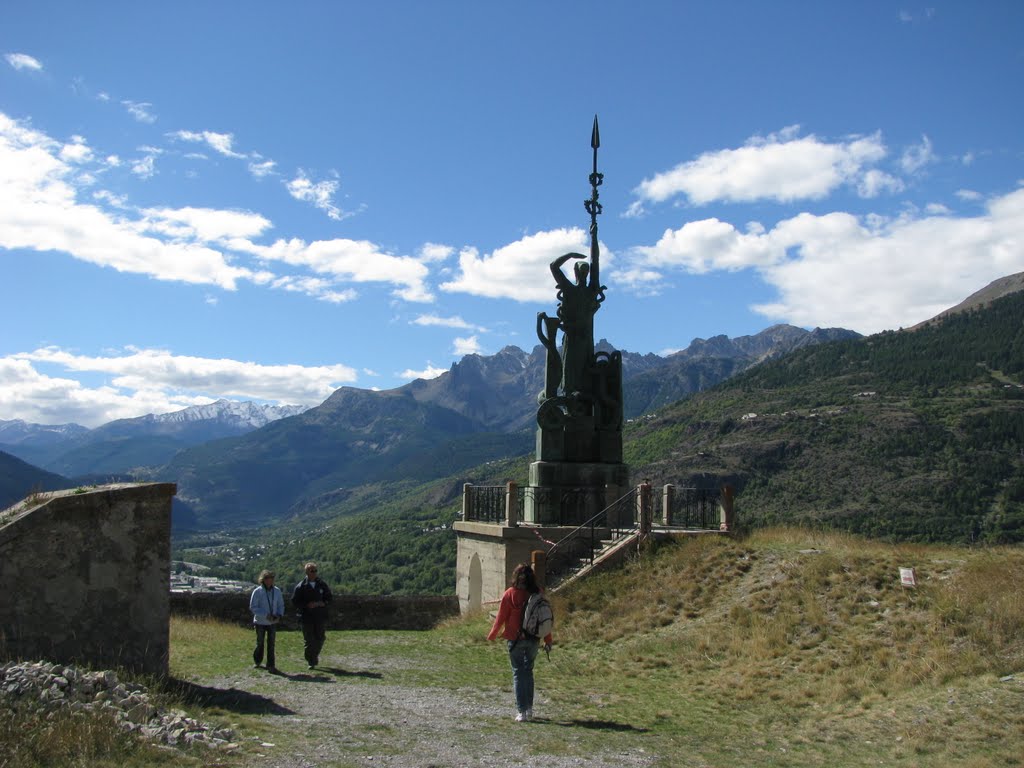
pixel 608 552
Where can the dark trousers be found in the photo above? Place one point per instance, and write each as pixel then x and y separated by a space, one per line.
pixel 270 634
pixel 313 635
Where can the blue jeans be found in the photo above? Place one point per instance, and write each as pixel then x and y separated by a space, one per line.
pixel 522 654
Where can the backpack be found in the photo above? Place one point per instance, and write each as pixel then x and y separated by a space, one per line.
pixel 538 618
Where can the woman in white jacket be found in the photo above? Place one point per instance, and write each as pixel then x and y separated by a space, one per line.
pixel 267 606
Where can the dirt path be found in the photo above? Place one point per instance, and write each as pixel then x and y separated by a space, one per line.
pixel 344 713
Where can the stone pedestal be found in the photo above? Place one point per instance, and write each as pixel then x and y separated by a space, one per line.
pixel 487 554
pixel 571 493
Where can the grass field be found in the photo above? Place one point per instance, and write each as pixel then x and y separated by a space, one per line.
pixel 786 648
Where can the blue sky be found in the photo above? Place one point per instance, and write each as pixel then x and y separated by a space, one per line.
pixel 266 201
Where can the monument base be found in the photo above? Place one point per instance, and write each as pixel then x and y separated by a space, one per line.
pixel 571 493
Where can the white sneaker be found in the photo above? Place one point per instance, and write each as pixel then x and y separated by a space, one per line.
pixel 521 717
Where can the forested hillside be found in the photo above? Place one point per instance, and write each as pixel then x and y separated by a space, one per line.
pixel 915 435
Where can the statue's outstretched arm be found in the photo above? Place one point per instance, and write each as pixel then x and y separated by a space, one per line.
pixel 556 268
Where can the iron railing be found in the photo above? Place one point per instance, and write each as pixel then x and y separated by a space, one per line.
pixel 533 504
pixel 691 508
pixel 578 548
pixel 484 503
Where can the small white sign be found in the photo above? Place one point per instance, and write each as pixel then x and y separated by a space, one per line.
pixel 908 577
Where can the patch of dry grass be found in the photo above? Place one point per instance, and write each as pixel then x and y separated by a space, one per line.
pixel 812 635
pixel 72 740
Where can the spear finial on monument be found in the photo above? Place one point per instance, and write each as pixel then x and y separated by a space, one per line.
pixel 594 207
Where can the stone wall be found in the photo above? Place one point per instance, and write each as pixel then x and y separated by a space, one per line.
pixel 487 554
pixel 346 611
pixel 84 577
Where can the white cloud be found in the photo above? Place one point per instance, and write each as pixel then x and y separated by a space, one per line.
pixel 430 372
pixel 77 151
pixel 446 322
pixel 916 157
pixel 968 194
pixel 635 210
pixel 109 198
pixel 145 167
pixel 875 182
pixel 431 252
pixel 707 245
pixel 260 168
pixel 218 142
pixel 641 281
pixel 781 167
pixel 867 274
pixel 23 61
pixel 356 261
pixel 140 110
pixel 151 381
pixel 466 346
pixel 320 194
pixel 27 394
pixel 207 225
pixel 316 287
pixel 519 270
pixel 39 210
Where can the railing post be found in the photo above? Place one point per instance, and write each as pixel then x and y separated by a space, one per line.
pixel 645 508
pixel 467 501
pixel 728 510
pixel 668 494
pixel 539 563
pixel 511 505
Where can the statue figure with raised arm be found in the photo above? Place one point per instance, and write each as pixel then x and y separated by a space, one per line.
pixel 579 469
pixel 578 302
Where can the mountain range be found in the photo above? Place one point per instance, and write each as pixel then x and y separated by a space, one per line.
pixel 480 413
pixel 483 408
pixel 913 435
pixel 118 447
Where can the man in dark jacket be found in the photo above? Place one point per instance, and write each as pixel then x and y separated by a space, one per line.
pixel 311 597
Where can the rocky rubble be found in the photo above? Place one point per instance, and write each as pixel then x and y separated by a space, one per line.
pixel 50 687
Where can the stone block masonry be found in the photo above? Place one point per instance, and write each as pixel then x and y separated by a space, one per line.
pixel 85 574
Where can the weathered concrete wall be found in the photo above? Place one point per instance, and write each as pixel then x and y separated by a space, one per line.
pixel 84 577
pixel 346 611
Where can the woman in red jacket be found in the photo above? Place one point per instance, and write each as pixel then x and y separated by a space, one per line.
pixel 522 649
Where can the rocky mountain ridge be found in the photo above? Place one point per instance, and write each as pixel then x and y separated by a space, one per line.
pixel 121 445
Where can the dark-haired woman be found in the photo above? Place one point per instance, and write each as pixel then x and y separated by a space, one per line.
pixel 522 650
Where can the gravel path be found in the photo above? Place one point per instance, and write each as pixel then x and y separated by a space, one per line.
pixel 347 715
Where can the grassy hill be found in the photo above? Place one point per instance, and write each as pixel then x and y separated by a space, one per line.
pixel 782 649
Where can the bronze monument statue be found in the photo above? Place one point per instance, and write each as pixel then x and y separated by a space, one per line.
pixel 580 409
